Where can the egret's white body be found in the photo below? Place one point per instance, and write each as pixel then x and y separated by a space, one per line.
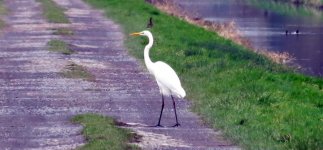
pixel 167 80
pixel 165 76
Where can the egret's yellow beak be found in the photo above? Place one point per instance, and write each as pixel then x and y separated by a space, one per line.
pixel 135 34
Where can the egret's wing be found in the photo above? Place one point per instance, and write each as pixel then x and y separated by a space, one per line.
pixel 166 76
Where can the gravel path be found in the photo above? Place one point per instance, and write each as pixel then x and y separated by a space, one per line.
pixel 36 102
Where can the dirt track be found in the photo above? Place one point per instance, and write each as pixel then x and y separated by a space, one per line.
pixel 37 102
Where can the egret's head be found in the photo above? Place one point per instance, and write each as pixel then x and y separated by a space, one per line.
pixel 142 33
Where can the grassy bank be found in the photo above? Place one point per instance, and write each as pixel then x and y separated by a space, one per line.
pixel 255 102
pixel 101 133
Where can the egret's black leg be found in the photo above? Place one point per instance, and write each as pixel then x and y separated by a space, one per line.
pixel 161 112
pixel 177 124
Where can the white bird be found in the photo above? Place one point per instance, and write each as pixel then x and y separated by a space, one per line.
pixel 167 80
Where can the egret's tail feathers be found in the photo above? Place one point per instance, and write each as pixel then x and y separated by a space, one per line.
pixel 181 93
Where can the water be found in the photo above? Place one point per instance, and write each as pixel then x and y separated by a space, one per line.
pixel 266 29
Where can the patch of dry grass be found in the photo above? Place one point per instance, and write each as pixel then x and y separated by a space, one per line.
pixel 76 71
pixel 281 58
pixel 60 46
pixel 63 31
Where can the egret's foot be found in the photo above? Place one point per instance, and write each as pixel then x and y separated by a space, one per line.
pixel 158 125
pixel 176 125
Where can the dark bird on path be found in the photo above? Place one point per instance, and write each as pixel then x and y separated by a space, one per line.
pixel 150 23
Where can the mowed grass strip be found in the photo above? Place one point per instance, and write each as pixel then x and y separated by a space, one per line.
pixel 258 104
pixel 60 46
pixel 103 133
pixel 52 12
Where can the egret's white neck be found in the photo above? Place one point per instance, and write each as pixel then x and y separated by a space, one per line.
pixel 146 52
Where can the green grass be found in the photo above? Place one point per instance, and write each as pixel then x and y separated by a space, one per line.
pixel 3 11
pixel 102 133
pixel 63 31
pixel 258 104
pixel 53 12
pixel 76 71
pixel 60 46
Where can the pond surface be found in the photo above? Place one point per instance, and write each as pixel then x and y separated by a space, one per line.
pixel 266 29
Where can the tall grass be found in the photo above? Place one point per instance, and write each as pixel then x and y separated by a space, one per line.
pixel 257 103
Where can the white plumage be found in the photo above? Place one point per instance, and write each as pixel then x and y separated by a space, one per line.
pixel 167 80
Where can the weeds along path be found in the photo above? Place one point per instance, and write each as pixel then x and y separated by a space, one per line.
pixel 37 100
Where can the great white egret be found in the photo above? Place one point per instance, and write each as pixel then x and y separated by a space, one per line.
pixel 167 80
